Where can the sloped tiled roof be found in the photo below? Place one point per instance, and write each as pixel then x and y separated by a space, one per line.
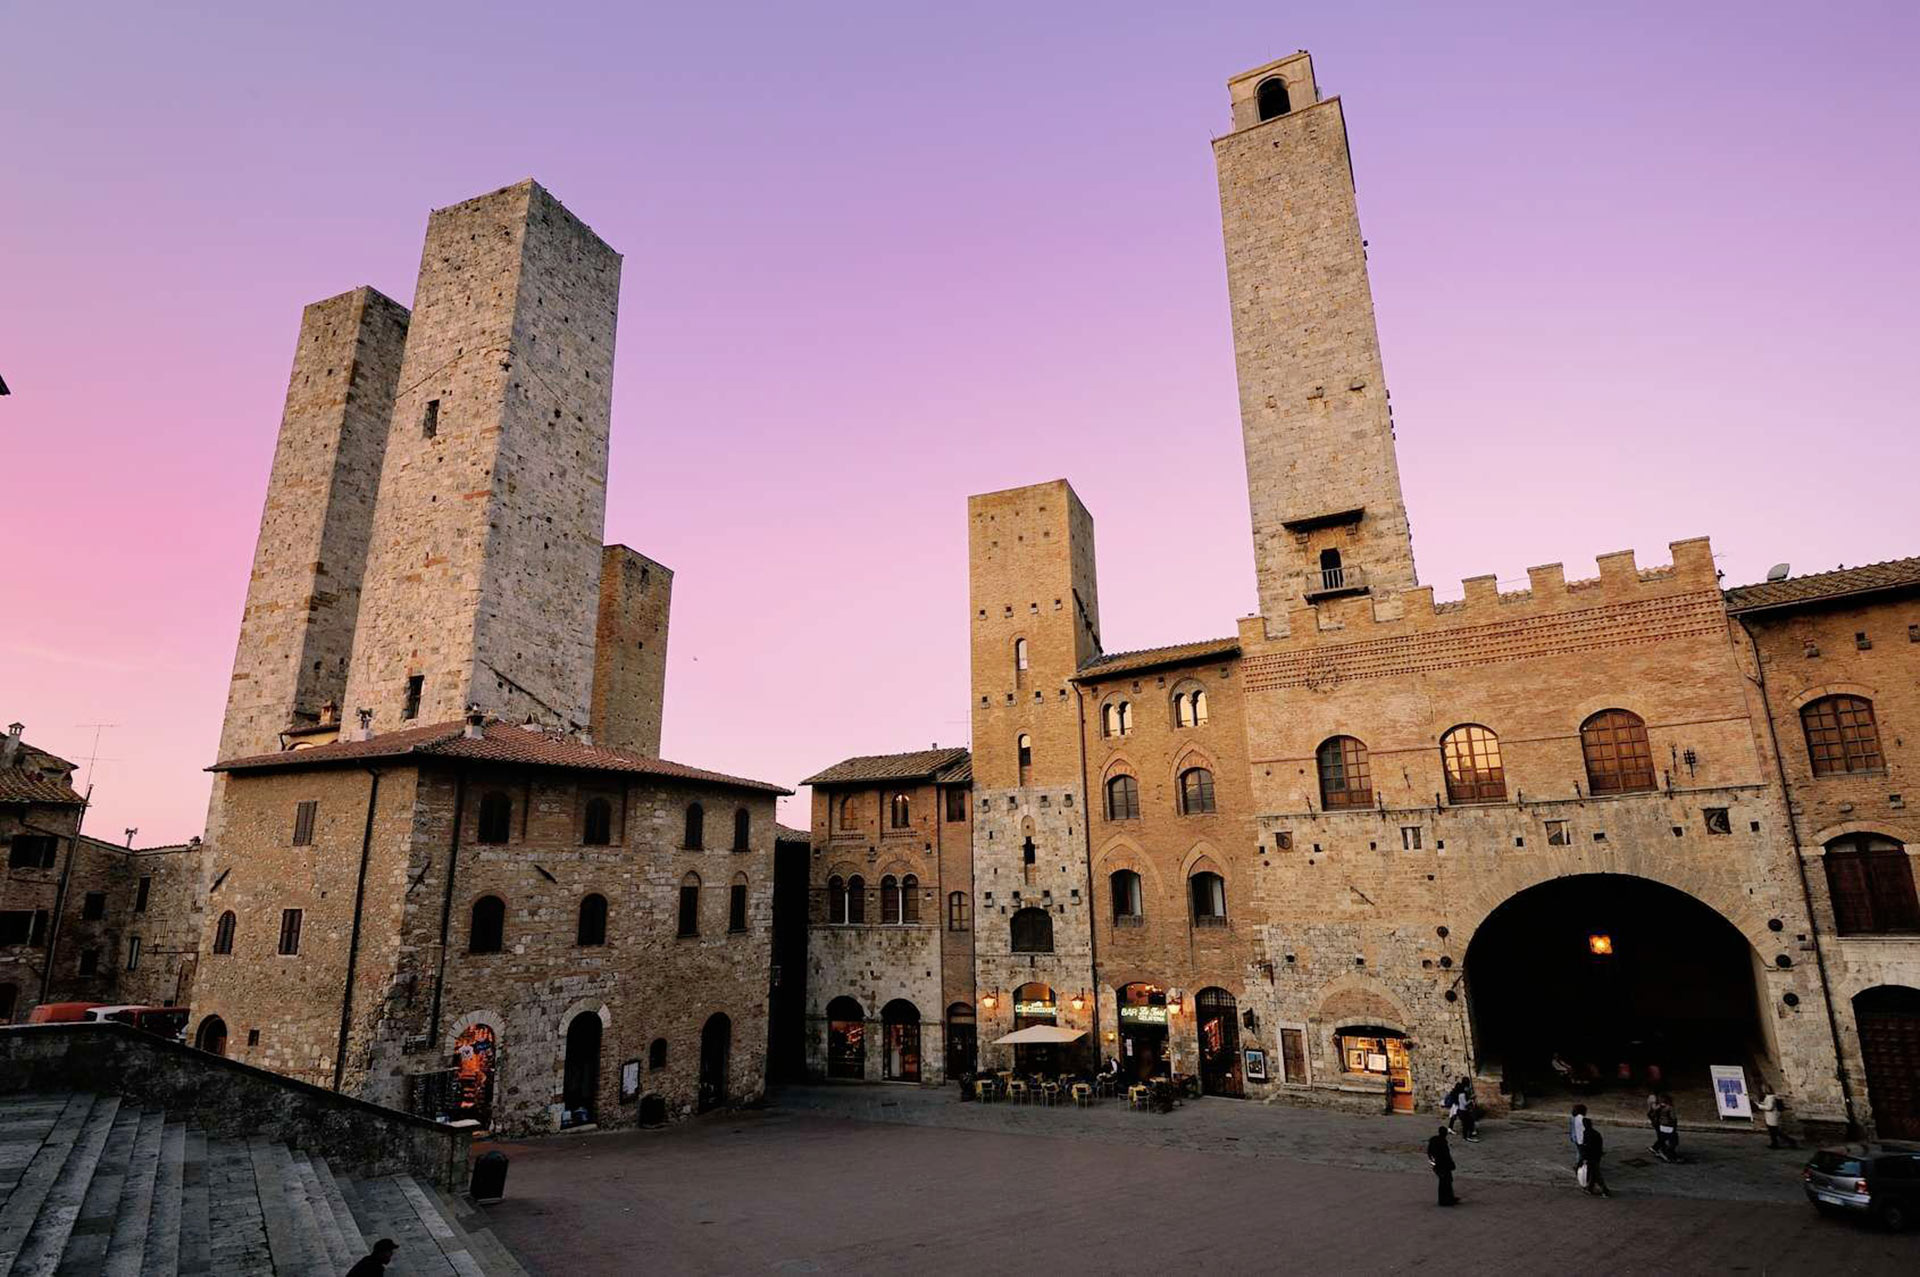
pixel 21 785
pixel 921 764
pixel 1148 657
pixel 500 743
pixel 787 833
pixel 1818 586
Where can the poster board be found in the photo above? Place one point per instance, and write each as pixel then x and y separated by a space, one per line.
pixel 1730 1097
pixel 1256 1064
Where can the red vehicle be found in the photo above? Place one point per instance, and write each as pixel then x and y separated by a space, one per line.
pixel 165 1022
pixel 61 1012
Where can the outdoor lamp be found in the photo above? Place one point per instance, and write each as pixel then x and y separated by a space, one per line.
pixel 987 1000
pixel 1600 944
pixel 1173 1004
pixel 1080 1000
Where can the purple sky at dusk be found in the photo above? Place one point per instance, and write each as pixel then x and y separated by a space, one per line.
pixel 1643 272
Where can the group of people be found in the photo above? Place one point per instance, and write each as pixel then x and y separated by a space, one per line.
pixel 1666 1126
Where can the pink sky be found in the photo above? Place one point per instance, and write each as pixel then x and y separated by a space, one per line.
pixel 1644 271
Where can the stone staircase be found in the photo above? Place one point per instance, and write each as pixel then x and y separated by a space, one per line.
pixel 90 1184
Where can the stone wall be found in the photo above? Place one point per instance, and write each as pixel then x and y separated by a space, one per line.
pixel 630 650
pixel 33 890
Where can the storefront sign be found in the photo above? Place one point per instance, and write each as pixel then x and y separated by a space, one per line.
pixel 1035 1010
pixel 1143 1015
pixel 1730 1090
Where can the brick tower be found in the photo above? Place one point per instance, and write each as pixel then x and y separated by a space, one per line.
pixel 304 592
pixel 1036 620
pixel 630 651
pixel 1322 479
pixel 486 548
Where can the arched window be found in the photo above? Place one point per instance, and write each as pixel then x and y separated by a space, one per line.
pixel 593 921
pixel 1196 791
pixel 1189 706
pixel 223 933
pixel 1333 575
pixel 1032 930
pixel 1470 755
pixel 657 1054
pixel 1116 718
pixel 690 905
pixel 1125 885
pixel 889 900
pixel 849 815
pixel 742 829
pixel 958 912
pixel 496 817
pixel 910 899
pixel 1871 881
pixel 1209 892
pixel 1019 654
pixel 598 830
pixel 1271 98
pixel 487 930
pixel 900 812
pixel 1123 798
pixel 836 900
pixel 1841 736
pixel 696 827
pixel 857 900
pixel 1344 778
pixel 1025 748
pixel 1619 760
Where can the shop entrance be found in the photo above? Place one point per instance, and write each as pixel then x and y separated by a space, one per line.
pixel 580 1081
pixel 716 1052
pixel 1370 1052
pixel 1033 1004
pixel 1143 1031
pixel 1607 980
pixel 962 1040
pixel 1219 1021
pixel 1888 1018
pixel 901 1021
pixel 846 1039
pixel 473 1054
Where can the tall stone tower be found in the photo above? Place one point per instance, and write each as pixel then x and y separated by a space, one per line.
pixel 1036 620
pixel 1322 478
pixel 296 634
pixel 486 539
pixel 630 651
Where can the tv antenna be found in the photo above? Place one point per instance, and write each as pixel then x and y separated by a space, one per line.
pixel 93 754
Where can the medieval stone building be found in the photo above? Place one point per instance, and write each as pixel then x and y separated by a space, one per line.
pixel 446 869
pixel 1601 830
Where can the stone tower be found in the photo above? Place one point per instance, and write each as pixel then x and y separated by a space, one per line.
pixel 630 651
pixel 296 634
pixel 1322 479
pixel 1036 620
pixel 486 548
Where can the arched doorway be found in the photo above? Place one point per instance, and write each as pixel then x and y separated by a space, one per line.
pixel 1143 1030
pixel 580 1084
pixel 1219 1021
pixel 1888 1018
pixel 846 1039
pixel 901 1020
pixel 963 1041
pixel 716 1051
pixel 211 1036
pixel 1371 1055
pixel 473 1054
pixel 1608 979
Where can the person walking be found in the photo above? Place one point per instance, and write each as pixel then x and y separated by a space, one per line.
pixel 1464 1106
pixel 1772 1107
pixel 1576 1131
pixel 1593 1151
pixel 375 1262
pixel 1653 1118
pixel 1666 1125
pixel 1440 1157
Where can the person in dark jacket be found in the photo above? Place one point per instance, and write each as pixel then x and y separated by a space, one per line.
pixel 375 1263
pixel 1592 1152
pixel 1440 1157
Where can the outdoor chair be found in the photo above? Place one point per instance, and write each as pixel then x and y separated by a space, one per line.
pixel 1049 1093
pixel 1017 1092
pixel 1082 1095
pixel 1139 1096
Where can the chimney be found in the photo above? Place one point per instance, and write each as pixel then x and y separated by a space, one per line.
pixel 365 731
pixel 476 728
pixel 10 751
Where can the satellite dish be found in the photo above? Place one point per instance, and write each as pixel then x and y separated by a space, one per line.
pixel 1779 572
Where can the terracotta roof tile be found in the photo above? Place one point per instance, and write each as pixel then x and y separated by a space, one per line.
pixel 18 785
pixel 1818 586
pixel 921 764
pixel 1147 658
pixel 787 833
pixel 501 743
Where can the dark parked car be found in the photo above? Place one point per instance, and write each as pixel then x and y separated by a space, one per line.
pixel 1879 1180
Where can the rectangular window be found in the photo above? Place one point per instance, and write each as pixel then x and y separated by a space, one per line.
pixel 89 962
pixel 958 908
pixel 956 804
pixel 15 926
pixel 33 851
pixel 1557 833
pixel 689 911
pixel 253 1037
pixel 140 894
pixel 1409 837
pixel 290 931
pixel 94 907
pixel 430 420
pixel 416 683
pixel 303 823
pixel 133 953
pixel 737 907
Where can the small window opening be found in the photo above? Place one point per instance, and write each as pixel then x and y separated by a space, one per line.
pixel 430 422
pixel 415 684
pixel 1271 98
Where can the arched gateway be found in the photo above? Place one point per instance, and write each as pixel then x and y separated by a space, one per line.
pixel 1610 979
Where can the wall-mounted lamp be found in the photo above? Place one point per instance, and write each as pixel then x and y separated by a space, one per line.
pixel 1080 1000
pixel 988 1000
pixel 1600 945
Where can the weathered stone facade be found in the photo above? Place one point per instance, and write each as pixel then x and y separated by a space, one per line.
pixel 630 650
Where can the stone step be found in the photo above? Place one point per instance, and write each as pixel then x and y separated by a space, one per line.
pixel 390 1214
pixel 39 1254
pixel 196 1210
pixel 356 1245
pixel 25 1123
pixel 339 1257
pixel 37 1178
pixel 129 1238
pixel 237 1242
pixel 293 1235
pixel 486 1247
pixel 85 1252
pixel 161 1256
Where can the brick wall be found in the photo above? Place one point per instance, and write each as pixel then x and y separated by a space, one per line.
pixel 630 650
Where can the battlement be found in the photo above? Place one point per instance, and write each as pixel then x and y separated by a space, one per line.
pixel 1548 593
